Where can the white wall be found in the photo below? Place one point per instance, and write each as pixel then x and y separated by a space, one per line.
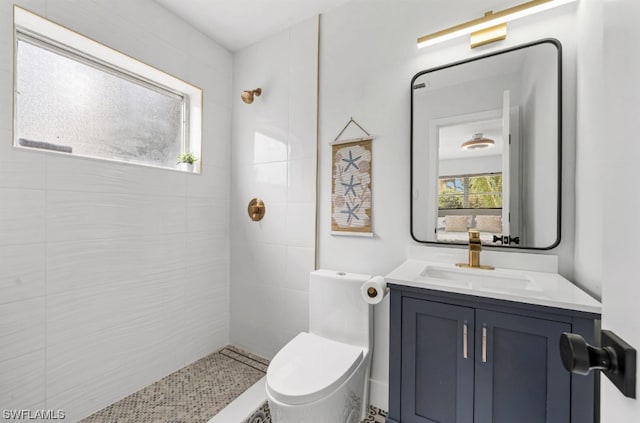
pixel 112 275
pixel 621 199
pixel 368 56
pixel 274 158
pixel 606 192
pixel 590 148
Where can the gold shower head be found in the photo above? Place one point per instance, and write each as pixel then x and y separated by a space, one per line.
pixel 247 96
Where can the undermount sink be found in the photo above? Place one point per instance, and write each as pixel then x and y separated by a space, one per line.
pixel 523 285
pixel 478 279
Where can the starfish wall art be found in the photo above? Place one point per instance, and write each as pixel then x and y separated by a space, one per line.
pixel 351 188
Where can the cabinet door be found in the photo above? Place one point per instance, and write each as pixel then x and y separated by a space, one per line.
pixel 519 373
pixel 437 363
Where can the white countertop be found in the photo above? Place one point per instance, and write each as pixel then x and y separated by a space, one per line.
pixel 524 286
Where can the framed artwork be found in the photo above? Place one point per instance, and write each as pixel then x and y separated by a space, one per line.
pixel 351 210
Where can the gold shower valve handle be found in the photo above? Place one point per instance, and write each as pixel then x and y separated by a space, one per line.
pixel 256 209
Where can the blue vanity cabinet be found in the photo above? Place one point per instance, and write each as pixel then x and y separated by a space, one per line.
pixel 464 359
pixel 519 375
pixel 437 357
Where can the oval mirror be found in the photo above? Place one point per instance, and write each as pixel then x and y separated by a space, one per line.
pixel 486 149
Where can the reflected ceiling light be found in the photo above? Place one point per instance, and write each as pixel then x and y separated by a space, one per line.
pixel 477 142
pixel 492 26
pixel 247 96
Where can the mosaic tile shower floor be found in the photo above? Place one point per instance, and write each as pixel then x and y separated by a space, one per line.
pixel 192 394
pixel 197 392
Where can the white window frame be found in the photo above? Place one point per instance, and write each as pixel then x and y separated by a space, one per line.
pixel 37 30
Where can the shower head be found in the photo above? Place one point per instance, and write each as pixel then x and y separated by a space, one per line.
pixel 247 96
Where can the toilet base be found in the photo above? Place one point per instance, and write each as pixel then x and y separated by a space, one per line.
pixel 347 404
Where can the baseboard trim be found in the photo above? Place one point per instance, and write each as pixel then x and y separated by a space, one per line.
pixel 379 394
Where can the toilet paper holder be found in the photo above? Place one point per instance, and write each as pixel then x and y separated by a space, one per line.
pixel 615 358
pixel 372 292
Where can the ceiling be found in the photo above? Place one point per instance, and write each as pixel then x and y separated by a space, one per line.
pixel 236 24
pixel 451 137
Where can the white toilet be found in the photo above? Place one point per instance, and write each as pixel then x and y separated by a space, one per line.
pixel 323 376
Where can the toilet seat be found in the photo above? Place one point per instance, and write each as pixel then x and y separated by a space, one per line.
pixel 310 367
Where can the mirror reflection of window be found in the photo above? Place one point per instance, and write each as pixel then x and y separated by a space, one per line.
pixel 470 192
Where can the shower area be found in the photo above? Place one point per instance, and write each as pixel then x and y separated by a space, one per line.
pixel 194 393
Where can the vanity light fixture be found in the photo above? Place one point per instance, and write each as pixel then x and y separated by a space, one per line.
pixel 477 142
pixel 492 26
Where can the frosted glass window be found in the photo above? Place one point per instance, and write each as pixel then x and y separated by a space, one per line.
pixel 78 97
pixel 69 103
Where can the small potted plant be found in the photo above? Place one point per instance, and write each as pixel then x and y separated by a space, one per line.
pixel 186 161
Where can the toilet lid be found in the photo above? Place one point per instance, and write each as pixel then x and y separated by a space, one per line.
pixel 310 367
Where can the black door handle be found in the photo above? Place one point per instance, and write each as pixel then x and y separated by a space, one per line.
pixel 615 358
pixel 580 358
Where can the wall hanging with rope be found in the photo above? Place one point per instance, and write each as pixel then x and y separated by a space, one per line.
pixel 351 183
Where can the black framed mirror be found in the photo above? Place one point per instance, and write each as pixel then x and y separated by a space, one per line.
pixel 486 149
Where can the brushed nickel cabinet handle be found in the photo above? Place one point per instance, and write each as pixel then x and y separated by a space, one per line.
pixel 465 341
pixel 484 344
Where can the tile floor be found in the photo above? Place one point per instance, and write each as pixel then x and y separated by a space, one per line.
pixel 197 392
pixel 262 415
pixel 192 394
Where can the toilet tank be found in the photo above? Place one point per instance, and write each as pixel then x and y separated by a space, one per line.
pixel 336 308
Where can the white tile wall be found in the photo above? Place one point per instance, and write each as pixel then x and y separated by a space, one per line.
pixel 22 273
pixel 301 228
pixel 215 180
pixel 299 261
pixel 22 384
pixel 89 175
pixel 21 216
pixel 76 215
pixel 274 158
pixel 301 175
pixel 22 327
pixel 303 50
pixel 92 264
pixel 112 275
pixel 20 174
pixel 217 161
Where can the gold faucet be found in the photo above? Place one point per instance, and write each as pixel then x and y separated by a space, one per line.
pixel 475 247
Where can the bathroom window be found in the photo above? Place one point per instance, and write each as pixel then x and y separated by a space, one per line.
pixel 470 191
pixel 75 96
